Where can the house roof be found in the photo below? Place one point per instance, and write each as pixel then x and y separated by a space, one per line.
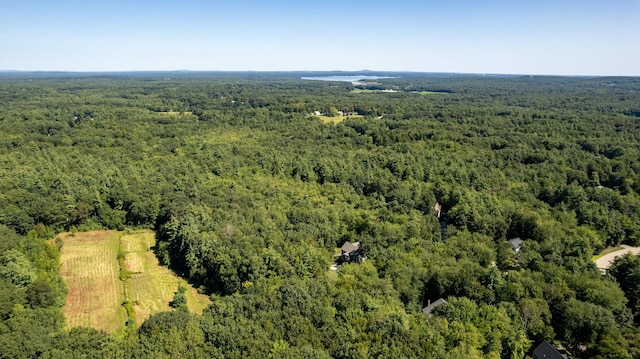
pixel 544 350
pixel 515 243
pixel 348 247
pixel 429 308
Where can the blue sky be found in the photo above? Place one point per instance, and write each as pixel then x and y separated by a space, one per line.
pixel 519 36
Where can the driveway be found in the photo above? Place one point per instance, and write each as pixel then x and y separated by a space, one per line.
pixel 606 260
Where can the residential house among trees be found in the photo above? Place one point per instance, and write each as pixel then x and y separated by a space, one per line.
pixel 351 252
pixel 545 350
pixel 516 244
pixel 431 306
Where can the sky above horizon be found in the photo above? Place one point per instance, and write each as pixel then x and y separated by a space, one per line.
pixel 556 37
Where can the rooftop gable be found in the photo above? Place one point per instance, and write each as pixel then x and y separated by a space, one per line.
pixel 544 350
pixel 349 247
pixel 515 243
pixel 429 308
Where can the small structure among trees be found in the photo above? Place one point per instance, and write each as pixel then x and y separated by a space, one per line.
pixel 350 253
pixel 516 244
pixel 431 306
pixel 544 350
pixel 437 209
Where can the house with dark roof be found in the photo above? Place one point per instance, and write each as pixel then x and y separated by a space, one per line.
pixel 431 306
pixel 351 252
pixel 545 350
pixel 516 244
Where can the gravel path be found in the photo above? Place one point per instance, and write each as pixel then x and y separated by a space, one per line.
pixel 606 260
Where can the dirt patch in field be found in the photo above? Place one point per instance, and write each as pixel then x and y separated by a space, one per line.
pixel 133 263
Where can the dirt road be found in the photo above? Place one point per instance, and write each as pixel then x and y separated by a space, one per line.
pixel 606 260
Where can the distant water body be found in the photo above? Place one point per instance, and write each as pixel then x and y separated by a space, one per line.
pixel 354 78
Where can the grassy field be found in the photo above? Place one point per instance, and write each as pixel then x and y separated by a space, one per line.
pixel 90 269
pixel 335 119
pixel 432 92
pixel 359 90
pixel 176 113
pixel 151 286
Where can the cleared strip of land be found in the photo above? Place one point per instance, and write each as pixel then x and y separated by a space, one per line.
pixel 176 113
pixel 360 90
pixel 96 293
pixel 89 268
pixel 150 286
pixel 335 119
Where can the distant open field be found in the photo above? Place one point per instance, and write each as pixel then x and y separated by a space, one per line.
pixel 359 90
pixel 335 119
pixel 176 113
pixel 90 269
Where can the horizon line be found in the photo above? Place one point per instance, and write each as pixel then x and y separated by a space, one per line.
pixel 9 71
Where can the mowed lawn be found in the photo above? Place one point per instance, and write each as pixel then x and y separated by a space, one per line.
pixel 334 119
pixel 89 268
pixel 151 287
pixel 359 90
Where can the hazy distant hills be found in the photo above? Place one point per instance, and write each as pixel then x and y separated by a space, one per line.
pixel 293 74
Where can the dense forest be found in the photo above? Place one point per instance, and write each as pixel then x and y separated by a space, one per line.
pixel 251 194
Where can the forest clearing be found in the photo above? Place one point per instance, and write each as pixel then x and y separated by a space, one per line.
pixel 335 119
pixel 151 286
pixel 90 269
pixel 359 90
